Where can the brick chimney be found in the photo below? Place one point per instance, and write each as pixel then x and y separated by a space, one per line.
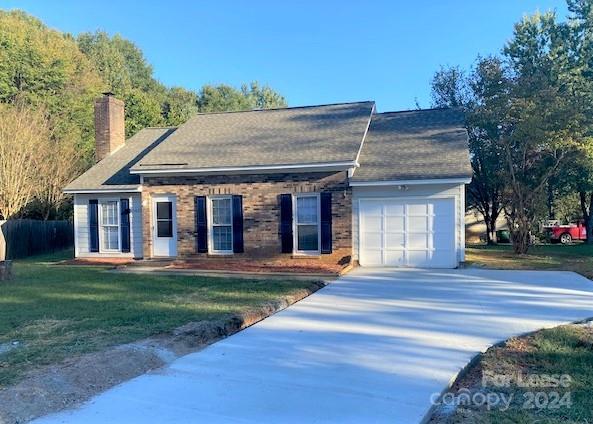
pixel 110 133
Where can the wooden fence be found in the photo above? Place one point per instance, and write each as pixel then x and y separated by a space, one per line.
pixel 20 238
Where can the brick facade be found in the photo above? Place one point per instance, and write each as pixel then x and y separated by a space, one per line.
pixel 260 209
pixel 109 126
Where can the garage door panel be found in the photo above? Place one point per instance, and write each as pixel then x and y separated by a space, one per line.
pixel 394 258
pixel 408 232
pixel 395 240
pixel 394 209
pixel 418 224
pixel 395 223
pixel 373 223
pixel 373 240
pixel 415 209
pixel 373 208
pixel 417 241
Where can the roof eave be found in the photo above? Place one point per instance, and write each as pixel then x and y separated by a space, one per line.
pixel 137 189
pixel 262 169
pixel 378 183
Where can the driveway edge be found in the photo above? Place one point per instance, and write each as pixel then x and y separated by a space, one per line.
pixel 74 381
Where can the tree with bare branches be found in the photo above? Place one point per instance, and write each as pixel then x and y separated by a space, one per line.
pixel 61 162
pixel 23 133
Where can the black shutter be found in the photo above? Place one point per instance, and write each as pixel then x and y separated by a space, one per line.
pixel 326 222
pixel 286 222
pixel 124 205
pixel 201 225
pixel 237 224
pixel 93 225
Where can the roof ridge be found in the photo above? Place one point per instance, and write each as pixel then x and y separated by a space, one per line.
pixel 431 109
pixel 284 108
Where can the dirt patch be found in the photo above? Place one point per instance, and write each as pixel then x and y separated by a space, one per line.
pixel 97 261
pixel 312 266
pixel 302 265
pixel 53 388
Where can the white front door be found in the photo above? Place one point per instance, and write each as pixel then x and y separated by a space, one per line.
pixel 410 233
pixel 164 226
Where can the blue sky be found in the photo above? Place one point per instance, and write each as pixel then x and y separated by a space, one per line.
pixel 312 52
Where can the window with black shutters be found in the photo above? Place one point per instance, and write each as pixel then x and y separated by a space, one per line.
pixel 221 224
pixel 306 221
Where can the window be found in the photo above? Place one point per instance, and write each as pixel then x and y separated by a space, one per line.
pixel 109 221
pixel 164 219
pixel 221 224
pixel 307 223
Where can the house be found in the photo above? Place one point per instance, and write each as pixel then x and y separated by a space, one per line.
pixel 337 182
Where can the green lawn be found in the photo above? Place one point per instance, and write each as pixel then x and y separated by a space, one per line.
pixel 577 257
pixel 57 311
pixel 564 350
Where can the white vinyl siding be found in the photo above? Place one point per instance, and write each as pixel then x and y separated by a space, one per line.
pixel 81 224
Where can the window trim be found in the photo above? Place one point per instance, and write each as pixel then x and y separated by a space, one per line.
pixel 157 220
pixel 100 219
pixel 295 224
pixel 211 225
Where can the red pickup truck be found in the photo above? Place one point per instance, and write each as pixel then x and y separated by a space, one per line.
pixel 565 234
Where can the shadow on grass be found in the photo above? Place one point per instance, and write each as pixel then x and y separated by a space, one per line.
pixel 51 312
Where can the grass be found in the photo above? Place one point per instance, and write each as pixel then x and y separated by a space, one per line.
pixel 567 349
pixel 561 350
pixel 59 311
pixel 576 257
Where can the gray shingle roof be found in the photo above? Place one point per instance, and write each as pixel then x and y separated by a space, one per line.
pixel 314 134
pixel 412 145
pixel 113 172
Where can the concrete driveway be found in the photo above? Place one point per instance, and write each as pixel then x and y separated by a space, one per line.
pixel 371 347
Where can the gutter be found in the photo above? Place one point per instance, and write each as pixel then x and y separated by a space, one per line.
pixel 105 190
pixel 379 183
pixel 301 167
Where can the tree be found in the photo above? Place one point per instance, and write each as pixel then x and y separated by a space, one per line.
pixel 478 94
pixel 450 88
pixel 127 74
pixel 262 97
pixel 108 61
pixel 221 98
pixel 489 87
pixel 542 125
pixel 224 97
pixel 23 131
pixel 59 162
pixel 179 105
pixel 142 110
pixel 578 175
pixel 59 76
pixel 45 68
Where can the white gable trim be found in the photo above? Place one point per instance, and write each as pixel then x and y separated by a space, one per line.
pixel 410 182
pixel 364 136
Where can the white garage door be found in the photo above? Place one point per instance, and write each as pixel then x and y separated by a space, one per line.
pixel 409 233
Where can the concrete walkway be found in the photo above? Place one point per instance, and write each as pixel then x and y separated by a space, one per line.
pixel 371 347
